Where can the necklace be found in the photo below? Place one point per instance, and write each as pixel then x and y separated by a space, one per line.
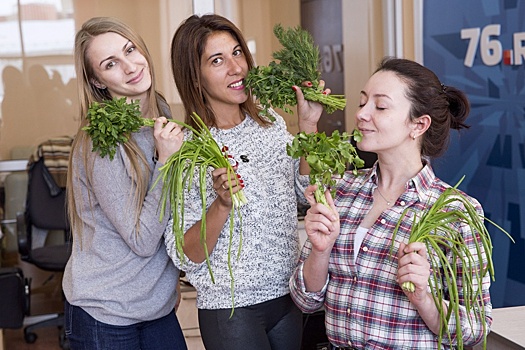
pixel 386 200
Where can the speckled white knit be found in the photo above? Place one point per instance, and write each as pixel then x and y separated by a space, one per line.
pixel 269 220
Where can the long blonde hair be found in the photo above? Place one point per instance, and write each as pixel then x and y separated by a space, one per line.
pixel 88 93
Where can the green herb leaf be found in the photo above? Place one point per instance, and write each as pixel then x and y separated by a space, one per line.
pixel 111 123
pixel 298 62
pixel 327 157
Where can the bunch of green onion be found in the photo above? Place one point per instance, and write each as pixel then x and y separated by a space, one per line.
pixel 437 228
pixel 200 151
pixel 112 122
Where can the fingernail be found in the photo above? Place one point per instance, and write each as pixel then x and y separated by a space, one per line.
pixel 309 84
pixel 324 92
pixel 238 176
pixel 294 88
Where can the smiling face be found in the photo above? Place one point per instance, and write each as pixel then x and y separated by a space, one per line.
pixel 223 68
pixel 383 115
pixel 119 66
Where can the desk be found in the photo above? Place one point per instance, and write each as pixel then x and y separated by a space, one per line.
pixel 508 329
pixel 13 165
pixel 7 167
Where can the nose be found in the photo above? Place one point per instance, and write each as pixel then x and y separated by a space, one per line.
pixel 128 66
pixel 234 67
pixel 362 113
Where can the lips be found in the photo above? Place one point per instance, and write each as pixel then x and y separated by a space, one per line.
pixel 237 85
pixel 137 78
pixel 365 131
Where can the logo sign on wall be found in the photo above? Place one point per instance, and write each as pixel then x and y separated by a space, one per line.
pixel 478 46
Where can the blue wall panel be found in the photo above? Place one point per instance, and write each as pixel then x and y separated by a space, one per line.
pixel 479 47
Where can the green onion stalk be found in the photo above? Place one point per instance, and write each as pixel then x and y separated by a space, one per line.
pixel 112 122
pixel 199 152
pixel 437 228
pixel 327 156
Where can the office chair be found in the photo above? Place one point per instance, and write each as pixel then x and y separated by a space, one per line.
pixel 45 209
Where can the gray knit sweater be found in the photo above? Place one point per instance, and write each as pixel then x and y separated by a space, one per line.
pixel 115 274
pixel 269 249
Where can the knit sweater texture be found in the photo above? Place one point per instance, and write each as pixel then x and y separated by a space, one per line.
pixel 267 224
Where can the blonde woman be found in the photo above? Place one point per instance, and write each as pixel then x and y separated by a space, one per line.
pixel 120 284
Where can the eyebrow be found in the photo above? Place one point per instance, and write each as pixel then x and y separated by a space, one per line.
pixel 111 57
pixel 376 95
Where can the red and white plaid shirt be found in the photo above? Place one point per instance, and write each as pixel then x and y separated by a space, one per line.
pixel 365 307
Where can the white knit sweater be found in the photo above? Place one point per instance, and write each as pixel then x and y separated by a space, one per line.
pixel 269 250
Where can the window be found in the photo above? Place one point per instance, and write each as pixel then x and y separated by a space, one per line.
pixel 37 32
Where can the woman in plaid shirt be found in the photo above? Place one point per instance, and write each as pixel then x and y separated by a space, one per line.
pixel 405 116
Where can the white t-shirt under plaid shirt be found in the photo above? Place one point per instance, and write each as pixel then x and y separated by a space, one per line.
pixel 365 307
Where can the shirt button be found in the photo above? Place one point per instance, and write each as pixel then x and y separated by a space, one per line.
pixel 348 311
pixel 365 248
pixel 402 203
pixel 383 221
pixel 355 278
pixel 349 343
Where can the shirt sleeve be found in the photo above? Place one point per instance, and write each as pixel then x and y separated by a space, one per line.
pixel 113 188
pixel 306 301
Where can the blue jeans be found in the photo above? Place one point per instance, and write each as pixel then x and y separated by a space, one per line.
pixel 86 333
pixel 272 325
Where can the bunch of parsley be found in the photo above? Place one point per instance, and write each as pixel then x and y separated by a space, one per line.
pixel 327 156
pixel 111 123
pixel 298 62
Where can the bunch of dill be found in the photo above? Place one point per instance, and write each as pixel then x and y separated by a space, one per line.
pixel 298 63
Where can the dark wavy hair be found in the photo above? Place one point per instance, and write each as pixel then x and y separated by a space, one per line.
pixel 187 46
pixel 447 106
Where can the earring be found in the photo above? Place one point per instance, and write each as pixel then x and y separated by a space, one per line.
pixel 414 137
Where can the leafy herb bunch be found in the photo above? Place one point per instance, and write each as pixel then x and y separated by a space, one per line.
pixel 327 156
pixel 298 62
pixel 111 123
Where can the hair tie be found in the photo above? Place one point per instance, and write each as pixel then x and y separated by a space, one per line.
pixel 443 88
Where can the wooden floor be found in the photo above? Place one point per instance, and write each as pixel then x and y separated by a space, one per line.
pixel 46 298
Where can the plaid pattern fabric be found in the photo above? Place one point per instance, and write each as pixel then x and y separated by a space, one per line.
pixel 365 307
pixel 55 152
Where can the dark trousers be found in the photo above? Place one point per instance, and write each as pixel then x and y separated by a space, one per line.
pixel 273 325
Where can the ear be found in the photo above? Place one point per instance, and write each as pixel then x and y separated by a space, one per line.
pixel 420 125
pixel 98 84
